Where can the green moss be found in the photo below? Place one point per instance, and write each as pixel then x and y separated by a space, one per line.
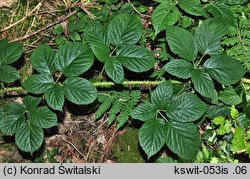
pixel 126 149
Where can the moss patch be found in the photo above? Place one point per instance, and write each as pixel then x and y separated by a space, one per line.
pixel 127 149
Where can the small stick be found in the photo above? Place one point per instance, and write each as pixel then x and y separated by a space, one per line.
pixel 43 29
pixel 25 17
pixel 142 15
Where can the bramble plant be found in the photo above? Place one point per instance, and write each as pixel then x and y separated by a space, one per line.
pixel 194 58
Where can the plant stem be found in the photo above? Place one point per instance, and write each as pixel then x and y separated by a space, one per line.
pixel 199 62
pixel 97 84
pixel 100 75
pixel 113 51
pixel 17 89
pixel 245 80
pixel 126 83
pixel 110 84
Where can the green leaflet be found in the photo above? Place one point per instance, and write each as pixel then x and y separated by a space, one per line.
pixel 162 95
pixel 230 96
pixel 224 69
pixel 96 33
pixel 31 102
pixel 164 15
pixel 152 136
pixel 208 36
pixel 239 141
pixel 144 112
pixel 73 59
pixel 8 74
pixel 14 109
pixel 29 137
pixel 186 108
pixel 203 83
pixel 3 42
pixel 124 29
pixel 42 60
pixel 101 51
pixel 182 43
pixel 11 124
pixel 222 12
pixel 38 84
pixel 114 70
pixel 9 53
pixel 183 139
pixel 55 97
pixel 179 68
pixel 192 7
pixel 136 58
pixel 42 117
pixel 79 90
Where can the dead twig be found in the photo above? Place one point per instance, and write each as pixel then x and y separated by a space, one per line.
pixel 44 28
pixel 108 145
pixel 72 145
pixel 25 17
pixel 82 6
pixel 142 15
